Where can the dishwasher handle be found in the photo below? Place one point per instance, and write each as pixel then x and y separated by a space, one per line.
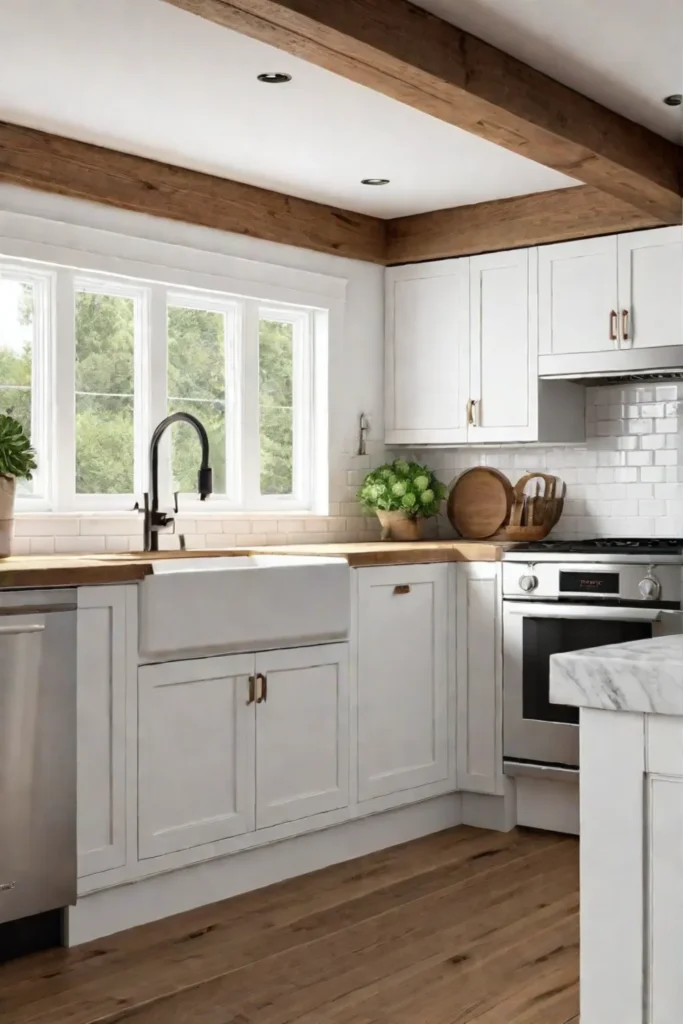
pixel 33 627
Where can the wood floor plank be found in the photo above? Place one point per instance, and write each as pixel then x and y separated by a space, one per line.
pixel 445 930
pixel 304 979
pixel 232 943
pixel 432 983
pixel 276 906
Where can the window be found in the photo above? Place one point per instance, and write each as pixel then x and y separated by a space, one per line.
pixel 126 352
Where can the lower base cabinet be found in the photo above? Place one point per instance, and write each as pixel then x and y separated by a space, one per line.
pixel 404 679
pixel 230 744
pixel 479 714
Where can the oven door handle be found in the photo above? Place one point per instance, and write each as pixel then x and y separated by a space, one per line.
pixel 553 611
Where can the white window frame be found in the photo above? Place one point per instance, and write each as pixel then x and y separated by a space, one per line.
pixel 42 390
pixel 67 498
pixel 213 285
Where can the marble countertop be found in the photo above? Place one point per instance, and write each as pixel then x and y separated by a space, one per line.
pixel 644 676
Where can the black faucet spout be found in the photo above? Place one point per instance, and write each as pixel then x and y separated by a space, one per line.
pixel 153 518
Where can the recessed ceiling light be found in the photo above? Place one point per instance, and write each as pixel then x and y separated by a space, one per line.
pixel 274 77
pixel 375 181
pixel 675 100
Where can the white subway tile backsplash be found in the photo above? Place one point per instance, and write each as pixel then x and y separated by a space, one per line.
pixel 634 441
pixel 653 474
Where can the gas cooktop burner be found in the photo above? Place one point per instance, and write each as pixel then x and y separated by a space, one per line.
pixel 617 545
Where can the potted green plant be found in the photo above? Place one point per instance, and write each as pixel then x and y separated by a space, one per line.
pixel 17 462
pixel 402 495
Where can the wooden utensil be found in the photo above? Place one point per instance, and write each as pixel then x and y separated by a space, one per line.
pixel 479 502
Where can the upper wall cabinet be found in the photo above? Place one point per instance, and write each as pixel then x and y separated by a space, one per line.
pixel 578 298
pixel 612 305
pixel 427 353
pixel 462 356
pixel 502 401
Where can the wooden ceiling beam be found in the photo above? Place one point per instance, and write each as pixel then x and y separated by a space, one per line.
pixel 521 221
pixel 52 163
pixel 406 53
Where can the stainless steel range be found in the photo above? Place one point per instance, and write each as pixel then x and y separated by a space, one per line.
pixel 564 596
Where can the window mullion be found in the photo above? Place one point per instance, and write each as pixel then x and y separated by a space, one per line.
pixel 155 387
pixel 62 454
pixel 251 448
pixel 234 401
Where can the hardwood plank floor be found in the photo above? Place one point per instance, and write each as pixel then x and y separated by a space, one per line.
pixel 462 926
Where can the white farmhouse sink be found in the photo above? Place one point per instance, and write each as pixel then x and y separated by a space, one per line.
pixel 242 603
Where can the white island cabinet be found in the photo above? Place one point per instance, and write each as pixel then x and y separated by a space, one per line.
pixel 631 727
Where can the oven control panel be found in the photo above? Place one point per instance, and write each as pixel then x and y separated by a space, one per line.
pixel 552 581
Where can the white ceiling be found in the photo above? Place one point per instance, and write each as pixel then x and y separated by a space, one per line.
pixel 626 54
pixel 147 78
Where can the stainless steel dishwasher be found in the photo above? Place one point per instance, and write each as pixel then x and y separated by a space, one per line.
pixel 37 751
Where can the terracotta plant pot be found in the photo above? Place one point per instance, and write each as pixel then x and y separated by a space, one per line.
pixel 8 486
pixel 400 526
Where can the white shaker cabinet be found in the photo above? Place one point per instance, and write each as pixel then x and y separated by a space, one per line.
pixel 104 660
pixel 403 679
pixel 612 305
pixel 578 298
pixel 196 753
pixel 479 714
pixel 503 347
pixel 302 733
pixel 462 356
pixel 651 288
pixel 427 353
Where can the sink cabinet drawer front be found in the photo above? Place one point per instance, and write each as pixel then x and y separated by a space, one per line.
pixel 302 733
pixel 196 753
pixel 402 678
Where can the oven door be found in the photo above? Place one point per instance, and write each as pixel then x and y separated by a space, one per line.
pixel 535 730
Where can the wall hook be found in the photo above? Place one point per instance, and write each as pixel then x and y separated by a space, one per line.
pixel 363 428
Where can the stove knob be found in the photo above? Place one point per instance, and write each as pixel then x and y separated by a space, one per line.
pixel 650 588
pixel 529 583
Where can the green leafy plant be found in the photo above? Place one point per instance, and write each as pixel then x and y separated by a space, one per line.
pixel 402 486
pixel 17 458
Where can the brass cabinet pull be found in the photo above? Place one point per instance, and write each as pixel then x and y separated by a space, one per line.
pixel 470 421
pixel 252 690
pixel 263 688
pixel 624 325
pixel 613 325
pixel 402 588
pixel 475 402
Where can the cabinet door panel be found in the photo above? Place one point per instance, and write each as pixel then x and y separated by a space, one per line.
pixel 302 734
pixel 664 900
pixel 402 678
pixel 503 347
pixel 479 679
pixel 577 292
pixel 101 728
pixel 651 287
pixel 196 753
pixel 427 352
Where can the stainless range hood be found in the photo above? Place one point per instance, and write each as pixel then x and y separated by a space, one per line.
pixel 617 365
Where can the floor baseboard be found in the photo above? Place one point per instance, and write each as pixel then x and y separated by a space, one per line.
pixel 151 899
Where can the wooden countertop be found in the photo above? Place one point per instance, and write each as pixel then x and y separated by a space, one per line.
pixel 124 567
pixel 396 553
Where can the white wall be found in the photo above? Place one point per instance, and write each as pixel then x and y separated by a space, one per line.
pixel 626 481
pixel 355 372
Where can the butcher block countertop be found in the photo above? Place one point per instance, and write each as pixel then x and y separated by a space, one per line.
pixel 83 570
pixel 396 553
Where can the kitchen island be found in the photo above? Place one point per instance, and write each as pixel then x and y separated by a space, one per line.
pixel 631 735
